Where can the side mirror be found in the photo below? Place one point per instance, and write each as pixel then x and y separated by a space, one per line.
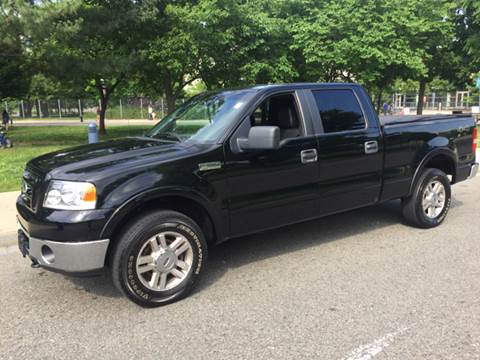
pixel 261 138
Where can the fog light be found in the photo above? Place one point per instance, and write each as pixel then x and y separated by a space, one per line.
pixel 47 254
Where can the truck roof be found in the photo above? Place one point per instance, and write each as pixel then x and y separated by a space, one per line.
pixel 287 86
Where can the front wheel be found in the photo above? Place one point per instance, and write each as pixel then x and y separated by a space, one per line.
pixel 159 259
pixel 430 201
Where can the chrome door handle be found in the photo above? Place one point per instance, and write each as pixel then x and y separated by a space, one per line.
pixel 308 156
pixel 371 147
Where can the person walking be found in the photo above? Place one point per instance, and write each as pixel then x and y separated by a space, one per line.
pixel 6 119
pixel 150 112
pixel 386 107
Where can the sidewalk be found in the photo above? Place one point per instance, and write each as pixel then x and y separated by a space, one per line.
pixel 8 222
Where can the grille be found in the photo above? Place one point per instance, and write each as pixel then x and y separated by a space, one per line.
pixel 30 182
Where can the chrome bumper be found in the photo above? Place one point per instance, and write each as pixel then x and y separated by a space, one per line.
pixel 473 171
pixel 67 257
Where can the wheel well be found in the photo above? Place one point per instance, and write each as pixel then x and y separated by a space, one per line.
pixel 444 163
pixel 186 206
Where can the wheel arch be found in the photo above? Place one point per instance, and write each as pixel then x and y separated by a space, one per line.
pixel 443 159
pixel 189 204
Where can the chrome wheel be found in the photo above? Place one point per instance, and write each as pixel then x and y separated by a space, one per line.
pixel 433 201
pixel 164 261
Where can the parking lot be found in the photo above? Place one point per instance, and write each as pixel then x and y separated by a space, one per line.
pixel 352 286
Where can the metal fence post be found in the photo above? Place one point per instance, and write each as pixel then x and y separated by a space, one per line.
pixel 59 109
pixel 80 113
pixel 39 108
pixel 141 108
pixel 121 109
pixel 163 111
pixel 23 109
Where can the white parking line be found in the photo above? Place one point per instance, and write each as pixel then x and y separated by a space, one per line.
pixel 368 351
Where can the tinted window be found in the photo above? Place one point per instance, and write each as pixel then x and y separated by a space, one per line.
pixel 339 110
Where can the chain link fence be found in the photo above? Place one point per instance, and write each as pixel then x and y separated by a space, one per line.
pixel 464 101
pixel 126 108
pixel 142 108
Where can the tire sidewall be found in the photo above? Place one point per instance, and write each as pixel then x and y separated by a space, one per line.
pixel 132 284
pixel 433 175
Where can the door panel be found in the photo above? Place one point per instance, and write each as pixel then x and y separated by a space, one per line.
pixel 350 150
pixel 349 177
pixel 272 188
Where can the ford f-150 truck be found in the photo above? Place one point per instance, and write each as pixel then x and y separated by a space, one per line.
pixel 226 164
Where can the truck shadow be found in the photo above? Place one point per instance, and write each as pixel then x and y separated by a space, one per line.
pixel 253 248
pixel 250 249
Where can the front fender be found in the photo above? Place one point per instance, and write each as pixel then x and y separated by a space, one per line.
pixel 137 200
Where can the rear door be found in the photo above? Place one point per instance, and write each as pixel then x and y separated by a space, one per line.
pixel 350 156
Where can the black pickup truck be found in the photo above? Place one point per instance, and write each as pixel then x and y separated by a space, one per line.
pixel 227 164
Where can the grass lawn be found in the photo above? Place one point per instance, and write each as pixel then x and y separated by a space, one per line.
pixel 32 141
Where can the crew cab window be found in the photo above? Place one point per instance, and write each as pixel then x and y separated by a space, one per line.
pixel 339 110
pixel 281 111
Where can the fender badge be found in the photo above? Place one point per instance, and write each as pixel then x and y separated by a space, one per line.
pixel 210 166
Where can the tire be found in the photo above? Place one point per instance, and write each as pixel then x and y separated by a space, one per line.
pixel 424 210
pixel 150 275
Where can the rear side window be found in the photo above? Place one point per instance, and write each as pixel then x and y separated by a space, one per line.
pixel 339 110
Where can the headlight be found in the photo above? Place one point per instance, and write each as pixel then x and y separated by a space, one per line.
pixel 70 195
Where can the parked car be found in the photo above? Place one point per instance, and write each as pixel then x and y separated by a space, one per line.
pixel 227 164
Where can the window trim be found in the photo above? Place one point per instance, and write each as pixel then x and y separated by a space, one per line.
pixel 320 124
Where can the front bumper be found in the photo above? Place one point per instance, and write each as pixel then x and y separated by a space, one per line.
pixel 77 257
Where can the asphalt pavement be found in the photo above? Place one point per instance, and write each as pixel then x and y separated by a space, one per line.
pixel 353 286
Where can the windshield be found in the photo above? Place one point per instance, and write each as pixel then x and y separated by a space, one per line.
pixel 204 118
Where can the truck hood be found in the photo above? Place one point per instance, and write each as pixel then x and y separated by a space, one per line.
pixel 90 161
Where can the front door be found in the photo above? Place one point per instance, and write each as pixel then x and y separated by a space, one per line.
pixel 271 188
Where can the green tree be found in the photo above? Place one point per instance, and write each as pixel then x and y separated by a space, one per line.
pixel 433 37
pixel 366 41
pixel 14 74
pixel 87 44
pixel 239 43
pixel 168 51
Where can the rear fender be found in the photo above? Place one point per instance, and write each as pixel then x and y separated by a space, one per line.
pixel 432 154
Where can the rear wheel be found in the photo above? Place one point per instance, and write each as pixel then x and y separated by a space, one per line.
pixel 430 201
pixel 159 259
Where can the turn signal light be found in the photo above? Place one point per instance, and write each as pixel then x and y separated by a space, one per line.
pixel 90 194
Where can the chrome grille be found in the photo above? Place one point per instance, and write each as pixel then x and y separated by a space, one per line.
pixel 29 182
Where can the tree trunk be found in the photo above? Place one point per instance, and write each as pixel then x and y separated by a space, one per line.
pixel 37 109
pixel 421 95
pixel 105 91
pixel 170 96
pixel 103 109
